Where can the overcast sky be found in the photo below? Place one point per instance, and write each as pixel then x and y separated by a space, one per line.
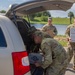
pixel 57 13
pixel 4 4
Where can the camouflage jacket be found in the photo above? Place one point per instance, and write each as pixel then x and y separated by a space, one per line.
pixel 47 27
pixel 54 54
pixel 68 30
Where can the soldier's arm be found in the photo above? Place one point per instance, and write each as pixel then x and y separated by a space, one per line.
pixel 55 31
pixel 47 55
pixel 67 31
pixel 44 28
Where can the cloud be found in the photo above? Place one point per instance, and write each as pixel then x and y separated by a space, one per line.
pixel 4 4
pixel 58 13
pixel 72 9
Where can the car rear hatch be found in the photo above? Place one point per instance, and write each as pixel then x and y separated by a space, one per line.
pixel 34 6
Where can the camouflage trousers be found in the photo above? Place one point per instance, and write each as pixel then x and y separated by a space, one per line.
pixel 57 69
pixel 71 49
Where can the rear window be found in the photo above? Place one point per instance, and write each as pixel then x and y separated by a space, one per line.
pixel 2 39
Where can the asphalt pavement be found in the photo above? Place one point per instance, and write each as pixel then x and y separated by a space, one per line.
pixel 70 70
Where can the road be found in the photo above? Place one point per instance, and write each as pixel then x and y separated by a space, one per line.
pixel 70 70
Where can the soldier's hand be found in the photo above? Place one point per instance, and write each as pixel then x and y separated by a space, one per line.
pixel 69 39
pixel 51 33
pixel 37 64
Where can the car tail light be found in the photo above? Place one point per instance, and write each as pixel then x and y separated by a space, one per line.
pixel 20 63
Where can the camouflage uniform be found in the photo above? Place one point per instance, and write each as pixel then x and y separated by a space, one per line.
pixel 71 45
pixel 51 28
pixel 55 57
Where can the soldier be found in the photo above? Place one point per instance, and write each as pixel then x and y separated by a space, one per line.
pixel 55 56
pixel 71 45
pixel 49 28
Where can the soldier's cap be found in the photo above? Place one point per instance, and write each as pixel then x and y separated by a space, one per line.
pixel 37 33
pixel 41 34
pixel 49 18
pixel 31 30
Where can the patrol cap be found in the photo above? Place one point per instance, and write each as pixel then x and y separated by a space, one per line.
pixel 49 18
pixel 31 30
pixel 37 33
pixel 41 34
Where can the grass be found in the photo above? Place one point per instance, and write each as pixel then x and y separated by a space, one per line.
pixel 63 43
pixel 64 21
pixel 62 40
pixel 57 21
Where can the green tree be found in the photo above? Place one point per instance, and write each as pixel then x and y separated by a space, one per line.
pixel 45 16
pixel 32 16
pixel 39 14
pixel 2 11
pixel 46 13
pixel 71 15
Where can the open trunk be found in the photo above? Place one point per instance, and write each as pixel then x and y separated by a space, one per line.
pixel 24 27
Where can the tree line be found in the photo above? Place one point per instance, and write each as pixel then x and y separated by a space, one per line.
pixel 2 11
pixel 44 15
